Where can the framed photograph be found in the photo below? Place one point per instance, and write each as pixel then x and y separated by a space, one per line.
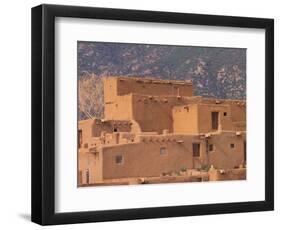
pixel 142 114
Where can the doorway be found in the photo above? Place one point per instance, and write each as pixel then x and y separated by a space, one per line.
pixel 215 120
pixel 245 152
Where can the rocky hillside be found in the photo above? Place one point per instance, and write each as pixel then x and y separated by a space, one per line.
pixel 215 72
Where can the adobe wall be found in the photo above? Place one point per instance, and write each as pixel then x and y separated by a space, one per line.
pixel 233 174
pixel 86 161
pixel 90 162
pixel 239 116
pixel 110 126
pixel 144 159
pixel 205 117
pixel 119 86
pixel 144 101
pixel 154 113
pixel 95 128
pixel 185 119
pixel 145 111
pixel 119 108
pixel 224 156
pixel 232 116
pixel 237 112
pixel 82 166
pixel 197 118
pixel 119 138
pixel 85 126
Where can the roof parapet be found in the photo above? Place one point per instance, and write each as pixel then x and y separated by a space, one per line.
pixel 151 80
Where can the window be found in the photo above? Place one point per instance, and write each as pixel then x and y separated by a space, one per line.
pixel 211 147
pixel 225 114
pixel 163 151
pixel 115 129
pixel 215 120
pixel 79 138
pixel 119 159
pixel 196 149
pixel 232 145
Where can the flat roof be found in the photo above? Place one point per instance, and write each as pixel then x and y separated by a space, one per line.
pixel 152 80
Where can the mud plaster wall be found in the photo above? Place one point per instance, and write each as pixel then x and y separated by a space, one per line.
pixel 224 156
pixel 144 159
pixel 185 119
pixel 118 87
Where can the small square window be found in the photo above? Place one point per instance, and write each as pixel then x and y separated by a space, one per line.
pixel 163 151
pixel 119 159
pixel 225 114
pixel 211 147
pixel 232 145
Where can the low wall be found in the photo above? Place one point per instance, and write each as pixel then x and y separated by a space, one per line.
pixel 231 174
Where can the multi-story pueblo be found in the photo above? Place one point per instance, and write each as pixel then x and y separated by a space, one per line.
pixel 157 131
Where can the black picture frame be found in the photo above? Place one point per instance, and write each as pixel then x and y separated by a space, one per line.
pixel 43 114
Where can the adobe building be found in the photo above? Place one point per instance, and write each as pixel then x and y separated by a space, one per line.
pixel 154 128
